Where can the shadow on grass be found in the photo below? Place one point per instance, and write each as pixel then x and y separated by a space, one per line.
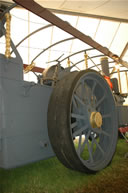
pixel 50 176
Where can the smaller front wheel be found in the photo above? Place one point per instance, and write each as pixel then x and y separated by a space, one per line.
pixel 82 123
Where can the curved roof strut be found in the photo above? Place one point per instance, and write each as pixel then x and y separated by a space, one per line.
pixel 34 32
pixel 44 13
pixel 59 42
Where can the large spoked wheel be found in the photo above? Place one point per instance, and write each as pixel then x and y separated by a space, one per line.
pixel 82 123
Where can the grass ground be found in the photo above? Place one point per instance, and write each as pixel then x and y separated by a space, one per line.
pixel 50 176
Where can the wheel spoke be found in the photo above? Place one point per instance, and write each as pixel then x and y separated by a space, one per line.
pixel 87 103
pixel 106 116
pixel 83 90
pixel 79 131
pixel 85 141
pixel 77 116
pixel 83 146
pixel 92 143
pixel 93 88
pixel 105 133
pixel 79 99
pixel 99 109
pixel 99 147
pixel 88 93
pixel 100 101
pixel 79 144
pixel 90 153
pixel 74 103
pixel 100 131
pixel 74 125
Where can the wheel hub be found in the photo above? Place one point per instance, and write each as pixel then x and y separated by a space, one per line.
pixel 96 120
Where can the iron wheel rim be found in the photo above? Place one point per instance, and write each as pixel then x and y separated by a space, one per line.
pixel 102 155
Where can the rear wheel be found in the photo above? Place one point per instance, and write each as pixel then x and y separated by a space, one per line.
pixel 82 123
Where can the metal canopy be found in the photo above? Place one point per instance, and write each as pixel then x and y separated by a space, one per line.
pixel 50 17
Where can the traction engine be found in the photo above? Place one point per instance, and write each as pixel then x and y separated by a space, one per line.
pixel 74 115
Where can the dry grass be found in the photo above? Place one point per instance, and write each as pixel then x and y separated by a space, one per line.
pixel 115 181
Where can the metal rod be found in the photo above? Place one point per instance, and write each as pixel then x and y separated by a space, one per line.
pixel 50 43
pixel 51 47
pixel 113 70
pixel 119 80
pixel 44 13
pixel 124 51
pixel 97 29
pixel 34 32
pixel 86 60
pixel 95 65
pixel 68 62
pixel 28 38
pixel 89 49
pixel 126 75
pixel 100 64
pixel 71 46
pixel 121 71
pixel 8 35
pixel 115 34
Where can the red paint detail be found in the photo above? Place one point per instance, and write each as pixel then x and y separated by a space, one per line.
pixel 107 78
pixel 35 69
pixel 123 129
